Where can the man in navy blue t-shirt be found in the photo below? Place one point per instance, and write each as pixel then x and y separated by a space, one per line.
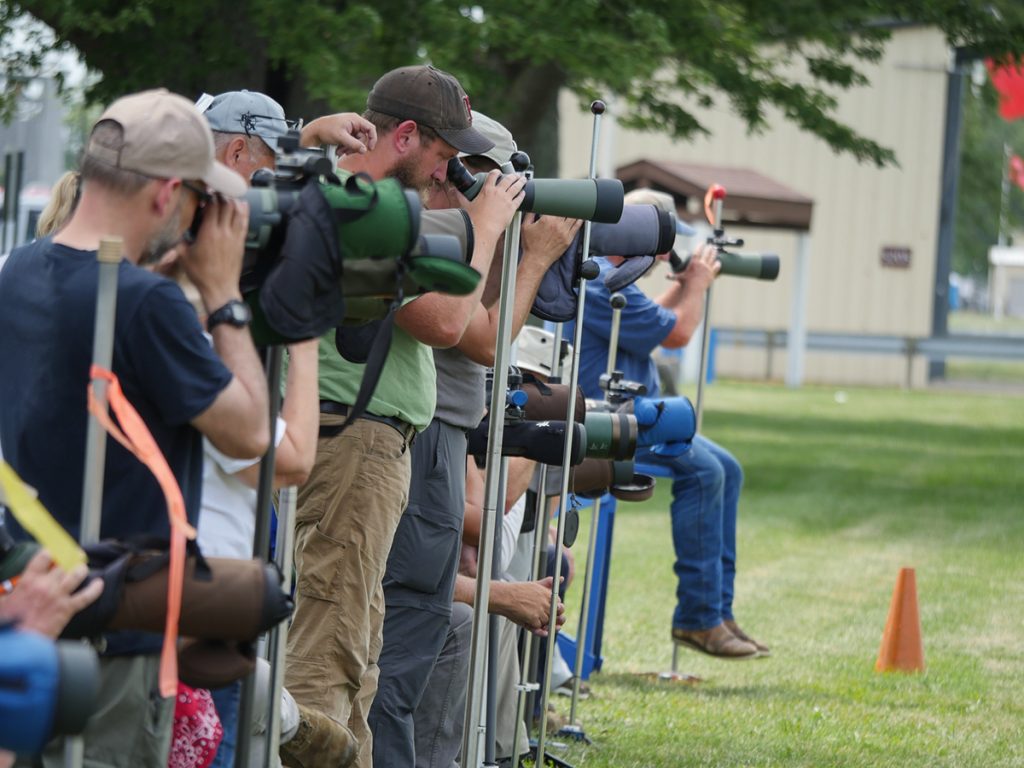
pixel 706 479
pixel 146 171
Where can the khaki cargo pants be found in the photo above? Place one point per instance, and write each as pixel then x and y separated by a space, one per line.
pixel 348 511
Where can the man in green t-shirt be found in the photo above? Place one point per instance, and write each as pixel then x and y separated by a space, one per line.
pixel 350 507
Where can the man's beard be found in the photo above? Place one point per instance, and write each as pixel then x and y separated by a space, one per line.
pixel 168 237
pixel 407 173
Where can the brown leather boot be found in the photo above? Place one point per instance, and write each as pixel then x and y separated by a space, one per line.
pixel 717 641
pixel 733 627
pixel 320 742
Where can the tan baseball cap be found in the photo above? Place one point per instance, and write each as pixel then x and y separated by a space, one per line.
pixel 504 145
pixel 165 137
pixel 662 200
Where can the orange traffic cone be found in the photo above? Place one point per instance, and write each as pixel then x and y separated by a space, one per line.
pixel 901 642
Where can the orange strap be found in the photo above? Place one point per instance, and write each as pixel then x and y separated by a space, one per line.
pixel 137 438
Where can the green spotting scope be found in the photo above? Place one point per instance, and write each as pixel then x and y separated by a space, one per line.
pixel 598 200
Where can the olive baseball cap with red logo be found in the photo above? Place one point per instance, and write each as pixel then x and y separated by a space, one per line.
pixel 431 97
pixel 164 136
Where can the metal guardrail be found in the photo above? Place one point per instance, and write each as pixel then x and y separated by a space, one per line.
pixel 980 346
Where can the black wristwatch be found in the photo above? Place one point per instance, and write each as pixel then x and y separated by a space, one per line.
pixel 235 312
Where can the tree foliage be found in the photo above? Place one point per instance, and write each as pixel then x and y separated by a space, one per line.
pixel 663 60
pixel 986 138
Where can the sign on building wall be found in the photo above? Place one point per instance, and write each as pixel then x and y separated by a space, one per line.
pixel 896 256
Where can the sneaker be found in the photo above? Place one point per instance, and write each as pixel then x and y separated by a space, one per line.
pixel 732 626
pixel 565 689
pixel 717 641
pixel 319 742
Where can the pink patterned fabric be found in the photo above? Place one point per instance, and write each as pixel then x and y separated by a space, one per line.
pixel 197 729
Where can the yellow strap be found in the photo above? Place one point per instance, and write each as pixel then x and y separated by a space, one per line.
pixel 34 518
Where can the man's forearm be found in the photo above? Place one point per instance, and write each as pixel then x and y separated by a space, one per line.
pixel 236 350
pixel 439 320
pixel 480 338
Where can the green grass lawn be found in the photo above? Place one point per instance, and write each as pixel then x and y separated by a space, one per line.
pixel 838 497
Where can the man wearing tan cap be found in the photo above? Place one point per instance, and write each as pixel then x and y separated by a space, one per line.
pixel 350 507
pixel 148 173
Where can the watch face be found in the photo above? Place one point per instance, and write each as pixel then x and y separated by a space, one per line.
pixel 240 313
pixel 236 313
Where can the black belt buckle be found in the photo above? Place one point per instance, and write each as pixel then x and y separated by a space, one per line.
pixel 406 430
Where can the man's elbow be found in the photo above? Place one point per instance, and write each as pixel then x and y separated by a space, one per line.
pixel 257 441
pixel 481 354
pixel 289 478
pixel 677 338
pixel 251 442
pixel 450 332
pixel 293 470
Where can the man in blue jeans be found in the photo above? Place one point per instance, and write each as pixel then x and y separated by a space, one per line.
pixel 706 479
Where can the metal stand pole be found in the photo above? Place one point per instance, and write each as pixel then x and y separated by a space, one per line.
pixel 716 224
pixel 478 647
pixel 703 368
pixel 597 109
pixel 493 629
pixel 109 256
pixel 261 548
pixel 526 689
pixel 278 643
pixel 702 375
pixel 618 302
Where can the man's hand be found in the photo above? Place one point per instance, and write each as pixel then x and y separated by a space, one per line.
pixel 704 266
pixel 214 262
pixel 351 133
pixel 545 238
pixel 493 208
pixel 43 600
pixel 527 603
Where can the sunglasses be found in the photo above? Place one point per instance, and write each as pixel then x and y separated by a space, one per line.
pixel 204 198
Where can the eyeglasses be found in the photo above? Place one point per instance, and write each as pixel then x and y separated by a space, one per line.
pixel 202 195
pixel 204 198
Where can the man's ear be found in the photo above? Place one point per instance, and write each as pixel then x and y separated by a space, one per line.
pixel 164 196
pixel 233 152
pixel 405 137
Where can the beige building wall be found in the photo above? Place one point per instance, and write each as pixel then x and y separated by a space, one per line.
pixel 858 210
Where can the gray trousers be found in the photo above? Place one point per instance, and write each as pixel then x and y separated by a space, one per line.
pixel 440 717
pixel 508 679
pixel 419 583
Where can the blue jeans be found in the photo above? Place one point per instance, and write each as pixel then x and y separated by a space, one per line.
pixel 706 482
pixel 226 700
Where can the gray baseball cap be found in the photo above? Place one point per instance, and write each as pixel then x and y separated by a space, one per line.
pixel 248 112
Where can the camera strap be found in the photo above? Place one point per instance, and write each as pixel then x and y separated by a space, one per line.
pixel 376 357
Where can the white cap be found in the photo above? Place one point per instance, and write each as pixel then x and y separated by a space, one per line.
pixel 534 350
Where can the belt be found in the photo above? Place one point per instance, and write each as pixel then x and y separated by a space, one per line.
pixel 404 428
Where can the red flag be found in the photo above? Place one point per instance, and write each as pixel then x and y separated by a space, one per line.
pixel 1016 170
pixel 1009 82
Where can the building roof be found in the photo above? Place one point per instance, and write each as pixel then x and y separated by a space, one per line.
pixel 752 199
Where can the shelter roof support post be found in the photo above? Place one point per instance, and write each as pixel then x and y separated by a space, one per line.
pixel 797 341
